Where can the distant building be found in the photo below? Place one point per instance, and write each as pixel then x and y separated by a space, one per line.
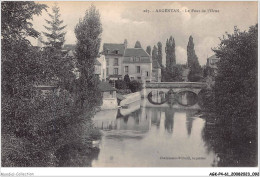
pixel 137 64
pixel 212 61
pixel 100 67
pixel 121 60
pixel 114 60
pixel 109 96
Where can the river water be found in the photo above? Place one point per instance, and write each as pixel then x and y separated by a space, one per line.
pixel 147 135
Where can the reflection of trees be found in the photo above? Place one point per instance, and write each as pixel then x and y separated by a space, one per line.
pixel 168 123
pixel 189 125
pixel 155 118
pixel 189 121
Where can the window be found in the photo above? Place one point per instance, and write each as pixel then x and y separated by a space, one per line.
pixel 107 72
pixel 138 69
pixel 139 78
pixel 116 51
pixel 147 73
pixel 107 61
pixel 116 71
pixel 116 62
pixel 126 69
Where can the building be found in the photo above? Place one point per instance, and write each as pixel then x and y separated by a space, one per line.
pixel 109 96
pixel 101 63
pixel 212 61
pixel 114 60
pixel 136 62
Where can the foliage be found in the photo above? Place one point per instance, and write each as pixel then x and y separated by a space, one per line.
pixel 155 53
pixel 56 37
pixel 172 76
pixel 135 86
pixel 34 126
pixel 127 79
pixel 15 19
pixel 170 54
pixel 120 84
pixel 235 100
pixel 195 73
pixel 88 32
pixel 138 44
pixel 148 49
pixel 159 57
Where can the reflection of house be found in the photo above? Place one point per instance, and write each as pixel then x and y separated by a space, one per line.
pixel 109 96
pixel 135 62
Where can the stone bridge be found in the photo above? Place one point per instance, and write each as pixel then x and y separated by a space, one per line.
pixel 177 87
pixel 185 93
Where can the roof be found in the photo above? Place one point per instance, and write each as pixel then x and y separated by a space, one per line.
pixel 112 48
pixel 105 86
pixel 97 62
pixel 156 64
pixel 135 52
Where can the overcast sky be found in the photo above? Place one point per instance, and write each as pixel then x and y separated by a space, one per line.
pixel 126 20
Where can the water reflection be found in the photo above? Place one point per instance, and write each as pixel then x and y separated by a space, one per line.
pixel 148 135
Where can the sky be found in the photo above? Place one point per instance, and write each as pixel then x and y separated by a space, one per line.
pixel 127 20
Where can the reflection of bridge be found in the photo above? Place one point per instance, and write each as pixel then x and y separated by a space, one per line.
pixel 185 93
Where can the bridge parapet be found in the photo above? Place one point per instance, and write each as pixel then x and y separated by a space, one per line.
pixel 169 85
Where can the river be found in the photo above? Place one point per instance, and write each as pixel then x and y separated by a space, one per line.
pixel 147 135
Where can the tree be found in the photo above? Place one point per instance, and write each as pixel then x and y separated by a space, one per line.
pixel 148 49
pixel 127 79
pixel 234 99
pixel 138 44
pixel 88 33
pixel 170 54
pixel 125 43
pixel 159 45
pixel 56 37
pixel 172 76
pixel 195 73
pixel 155 53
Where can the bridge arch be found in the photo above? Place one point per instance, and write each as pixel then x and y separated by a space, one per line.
pixel 192 89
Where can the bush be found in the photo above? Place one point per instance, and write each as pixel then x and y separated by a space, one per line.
pixel 120 84
pixel 135 86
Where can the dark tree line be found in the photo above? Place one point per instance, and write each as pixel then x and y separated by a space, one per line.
pixel 42 130
pixel 233 100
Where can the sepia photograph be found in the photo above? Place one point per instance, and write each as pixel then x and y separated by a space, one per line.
pixel 129 84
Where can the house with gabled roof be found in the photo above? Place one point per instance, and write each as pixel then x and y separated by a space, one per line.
pixel 135 62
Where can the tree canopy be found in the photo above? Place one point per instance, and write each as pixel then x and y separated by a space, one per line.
pixel 56 36
pixel 88 33
pixel 170 54
pixel 138 44
pixel 195 73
